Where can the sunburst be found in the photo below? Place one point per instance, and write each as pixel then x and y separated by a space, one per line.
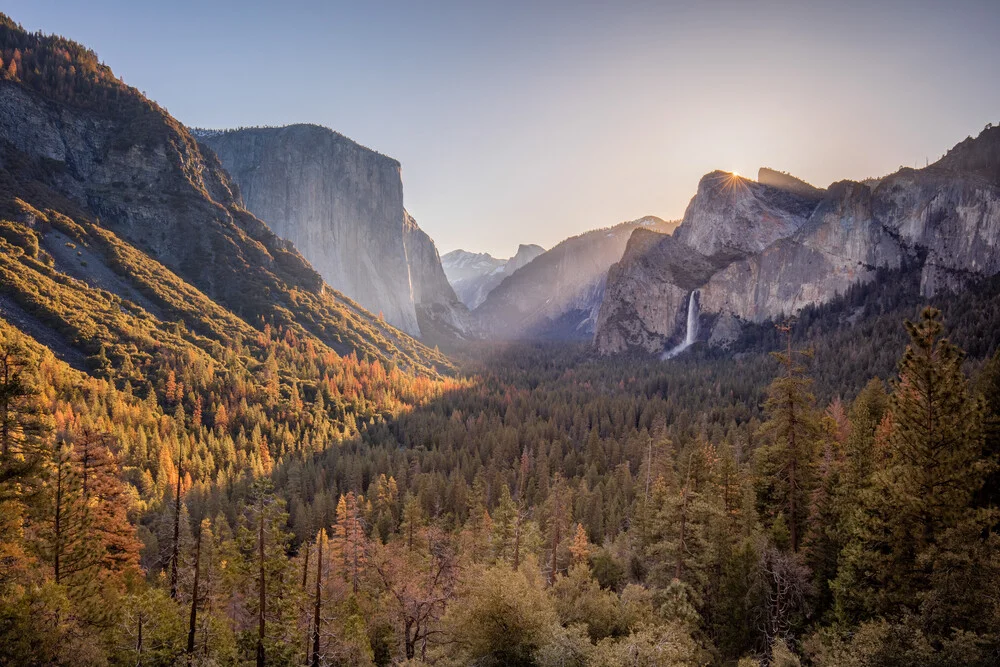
pixel 733 183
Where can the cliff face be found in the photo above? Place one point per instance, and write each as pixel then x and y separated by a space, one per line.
pixel 440 315
pixel 558 293
pixel 733 215
pixel 341 204
pixel 475 275
pixel 760 250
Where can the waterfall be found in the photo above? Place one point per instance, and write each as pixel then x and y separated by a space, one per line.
pixel 692 328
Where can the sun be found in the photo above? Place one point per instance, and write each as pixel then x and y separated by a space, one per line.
pixel 735 173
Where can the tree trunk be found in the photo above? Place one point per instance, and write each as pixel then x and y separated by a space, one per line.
pixel 555 550
pixel 138 642
pixel 175 553
pixel 194 600
pixel 319 598
pixel 262 601
pixel 410 641
pixel 679 568
pixel 517 540
pixel 57 537
pixel 305 568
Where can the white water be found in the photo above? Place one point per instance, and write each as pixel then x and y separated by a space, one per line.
pixel 692 328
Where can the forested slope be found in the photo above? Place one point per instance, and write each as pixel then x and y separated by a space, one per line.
pixel 211 459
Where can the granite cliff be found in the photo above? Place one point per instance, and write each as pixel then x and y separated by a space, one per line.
pixel 755 250
pixel 341 204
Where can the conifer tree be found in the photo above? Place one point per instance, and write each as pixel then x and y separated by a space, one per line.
pixel 786 465
pixel 263 543
pixel 504 526
pixel 918 519
pixel 351 543
pixel 24 426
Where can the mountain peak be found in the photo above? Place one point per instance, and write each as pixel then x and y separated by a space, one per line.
pixel 731 214
pixel 979 155
pixel 785 181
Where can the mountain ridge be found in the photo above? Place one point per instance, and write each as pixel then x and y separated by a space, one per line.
pixel 475 275
pixel 947 213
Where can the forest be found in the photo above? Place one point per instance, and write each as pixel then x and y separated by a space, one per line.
pixel 232 464
pixel 542 508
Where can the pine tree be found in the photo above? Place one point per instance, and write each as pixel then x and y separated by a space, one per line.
pixel 72 553
pixel 107 501
pixel 918 519
pixel 988 387
pixel 786 465
pixel 504 526
pixel 351 543
pixel 558 516
pixel 263 543
pixel 24 426
pixel 580 549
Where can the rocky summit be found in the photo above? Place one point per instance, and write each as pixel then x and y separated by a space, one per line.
pixel 475 275
pixel 755 250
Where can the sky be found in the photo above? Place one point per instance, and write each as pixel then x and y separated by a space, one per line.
pixel 528 122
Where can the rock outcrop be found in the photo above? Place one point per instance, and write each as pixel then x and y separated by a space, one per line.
pixel 341 204
pixel 441 317
pixel 759 250
pixel 475 275
pixel 558 293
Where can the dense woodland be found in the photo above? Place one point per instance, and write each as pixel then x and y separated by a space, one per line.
pixel 291 482
pixel 546 508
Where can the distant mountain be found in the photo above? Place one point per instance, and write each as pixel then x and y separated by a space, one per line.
pixel 342 205
pixel 558 293
pixel 125 241
pixel 751 251
pixel 475 275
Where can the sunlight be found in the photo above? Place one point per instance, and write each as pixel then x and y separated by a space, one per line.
pixel 733 183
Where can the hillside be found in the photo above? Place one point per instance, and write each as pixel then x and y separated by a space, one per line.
pixel 126 254
pixel 558 294
pixel 83 146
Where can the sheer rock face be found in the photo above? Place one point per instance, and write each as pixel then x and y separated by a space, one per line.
pixel 441 317
pixel 341 204
pixel 558 293
pixel 775 246
pixel 475 275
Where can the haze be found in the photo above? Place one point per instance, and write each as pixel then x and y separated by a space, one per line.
pixel 531 122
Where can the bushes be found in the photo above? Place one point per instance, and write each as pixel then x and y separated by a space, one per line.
pixel 19 236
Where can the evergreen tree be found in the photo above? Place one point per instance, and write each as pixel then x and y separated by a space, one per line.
pixel 918 522
pixel 787 464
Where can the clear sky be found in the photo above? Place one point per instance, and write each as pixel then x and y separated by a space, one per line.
pixel 527 122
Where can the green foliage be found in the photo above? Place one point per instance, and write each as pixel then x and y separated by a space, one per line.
pixel 919 546
pixel 502 618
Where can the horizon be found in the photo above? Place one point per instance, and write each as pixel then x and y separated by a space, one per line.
pixel 560 108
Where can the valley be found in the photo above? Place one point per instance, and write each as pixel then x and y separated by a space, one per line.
pixel 250 415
